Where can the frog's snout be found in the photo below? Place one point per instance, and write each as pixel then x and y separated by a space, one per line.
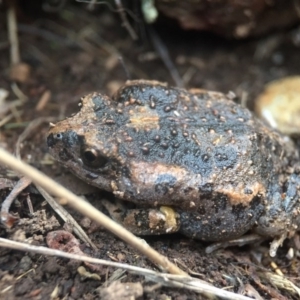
pixel 52 139
pixel 60 145
pixel 62 139
pixel 55 144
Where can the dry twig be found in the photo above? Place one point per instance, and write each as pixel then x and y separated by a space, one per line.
pixel 124 19
pixel 13 34
pixel 163 52
pixel 66 217
pixel 6 218
pixel 178 281
pixel 88 210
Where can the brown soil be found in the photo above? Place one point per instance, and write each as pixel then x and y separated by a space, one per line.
pixel 73 52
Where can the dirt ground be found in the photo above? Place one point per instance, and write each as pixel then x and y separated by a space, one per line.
pixel 73 52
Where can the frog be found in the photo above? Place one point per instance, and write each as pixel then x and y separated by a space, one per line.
pixel 189 161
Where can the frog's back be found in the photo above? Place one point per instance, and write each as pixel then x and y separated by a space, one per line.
pixel 203 153
pixel 205 133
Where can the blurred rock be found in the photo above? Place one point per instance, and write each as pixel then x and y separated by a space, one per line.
pixel 20 72
pixel 231 18
pixel 279 104
pixel 119 290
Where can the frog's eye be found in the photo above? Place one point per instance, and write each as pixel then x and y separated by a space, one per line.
pixel 92 158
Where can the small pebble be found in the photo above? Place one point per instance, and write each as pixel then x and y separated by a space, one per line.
pixel 20 72
pixel 290 254
pixel 25 263
pixel 279 104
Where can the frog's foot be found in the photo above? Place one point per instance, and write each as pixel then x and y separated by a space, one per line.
pixel 144 221
pixel 244 240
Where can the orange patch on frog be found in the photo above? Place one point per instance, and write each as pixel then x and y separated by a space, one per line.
pixel 142 82
pixel 236 195
pixel 143 117
pixel 146 173
pixel 212 94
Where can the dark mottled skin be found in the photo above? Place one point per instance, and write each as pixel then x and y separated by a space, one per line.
pixel 221 169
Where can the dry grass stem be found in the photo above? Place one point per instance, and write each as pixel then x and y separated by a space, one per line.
pixel 281 282
pixel 43 101
pixel 66 217
pixel 178 281
pixel 18 188
pixel 123 16
pixel 88 210
pixel 13 34
pixel 163 53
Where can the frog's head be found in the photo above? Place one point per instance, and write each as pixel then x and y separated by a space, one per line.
pixel 88 144
pixel 124 144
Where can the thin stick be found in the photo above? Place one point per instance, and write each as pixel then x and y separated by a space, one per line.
pixel 67 217
pixel 18 188
pixel 13 34
pixel 124 19
pixel 163 52
pixel 58 253
pixel 178 281
pixel 127 73
pixel 88 210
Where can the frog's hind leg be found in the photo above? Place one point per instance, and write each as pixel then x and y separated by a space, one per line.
pixel 144 221
pixel 281 218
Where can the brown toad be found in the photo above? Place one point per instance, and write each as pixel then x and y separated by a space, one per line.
pixel 194 152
